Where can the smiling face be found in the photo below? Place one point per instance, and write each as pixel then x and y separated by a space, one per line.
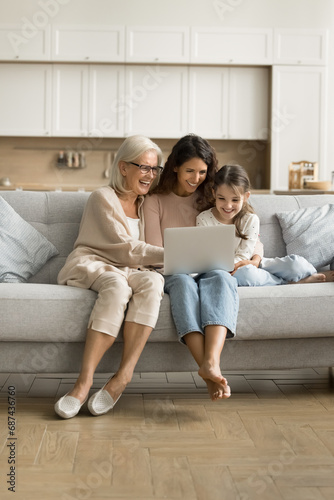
pixel 136 181
pixel 190 175
pixel 228 203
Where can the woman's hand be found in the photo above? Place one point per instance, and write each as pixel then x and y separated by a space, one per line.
pixel 254 261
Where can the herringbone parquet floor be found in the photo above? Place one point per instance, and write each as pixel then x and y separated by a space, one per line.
pixel 273 439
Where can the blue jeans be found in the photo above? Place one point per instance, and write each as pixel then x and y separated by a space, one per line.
pixel 275 271
pixel 207 299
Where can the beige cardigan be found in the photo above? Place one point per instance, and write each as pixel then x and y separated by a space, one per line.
pixel 105 243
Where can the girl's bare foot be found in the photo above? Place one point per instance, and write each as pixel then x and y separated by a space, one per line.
pixel 218 391
pixel 314 278
pixel 212 372
pixel 329 275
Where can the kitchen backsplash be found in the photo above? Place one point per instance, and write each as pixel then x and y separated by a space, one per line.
pixel 25 160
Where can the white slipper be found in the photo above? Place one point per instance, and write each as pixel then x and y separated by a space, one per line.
pixel 68 406
pixel 101 402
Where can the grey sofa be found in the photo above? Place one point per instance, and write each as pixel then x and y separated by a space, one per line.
pixel 43 324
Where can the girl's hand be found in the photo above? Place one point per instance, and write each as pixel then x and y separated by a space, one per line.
pixel 255 261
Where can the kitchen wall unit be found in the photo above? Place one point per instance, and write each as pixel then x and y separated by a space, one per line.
pixel 106 89
pixel 208 101
pixel 25 99
pixel 249 102
pixel 86 43
pixel 70 100
pixel 157 45
pixel 305 47
pixel 246 84
pixel 24 42
pixel 229 103
pixel 156 102
pixel 86 100
pixel 231 46
pixel 298 120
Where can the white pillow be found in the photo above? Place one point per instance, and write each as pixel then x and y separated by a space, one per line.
pixel 23 250
pixel 309 232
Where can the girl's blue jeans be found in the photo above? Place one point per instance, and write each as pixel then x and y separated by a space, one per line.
pixel 275 271
pixel 206 299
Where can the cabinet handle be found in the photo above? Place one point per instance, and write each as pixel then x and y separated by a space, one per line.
pixel 87 58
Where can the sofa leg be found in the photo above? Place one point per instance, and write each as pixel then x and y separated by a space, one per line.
pixel 331 377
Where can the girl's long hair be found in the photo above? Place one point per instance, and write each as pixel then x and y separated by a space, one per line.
pixel 235 177
pixel 189 147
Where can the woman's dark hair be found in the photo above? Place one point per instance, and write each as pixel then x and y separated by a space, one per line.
pixel 189 147
pixel 235 177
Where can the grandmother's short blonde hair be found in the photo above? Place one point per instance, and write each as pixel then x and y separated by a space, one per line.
pixel 131 149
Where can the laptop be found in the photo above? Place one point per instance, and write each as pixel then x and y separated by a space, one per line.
pixel 199 249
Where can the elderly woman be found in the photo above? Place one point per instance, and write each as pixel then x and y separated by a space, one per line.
pixel 111 257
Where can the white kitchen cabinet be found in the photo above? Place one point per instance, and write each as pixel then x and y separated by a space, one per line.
pixel 87 100
pixel 161 44
pixel 300 46
pixel 298 120
pixel 208 101
pixel 88 43
pixel 25 99
pixel 248 116
pixel 155 102
pixel 70 100
pixel 231 46
pixel 229 103
pixel 25 42
pixel 106 90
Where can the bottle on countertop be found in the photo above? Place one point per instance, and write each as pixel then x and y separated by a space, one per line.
pixel 61 158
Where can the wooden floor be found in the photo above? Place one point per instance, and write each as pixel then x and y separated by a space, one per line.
pixel 273 439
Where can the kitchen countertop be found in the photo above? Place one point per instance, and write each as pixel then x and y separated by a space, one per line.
pixel 297 192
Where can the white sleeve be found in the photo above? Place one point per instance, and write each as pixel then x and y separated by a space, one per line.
pixel 204 219
pixel 251 229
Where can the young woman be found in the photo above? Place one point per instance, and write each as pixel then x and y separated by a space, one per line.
pixel 111 257
pixel 204 307
pixel 231 191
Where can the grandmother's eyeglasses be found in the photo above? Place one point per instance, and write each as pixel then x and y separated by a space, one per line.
pixel 145 169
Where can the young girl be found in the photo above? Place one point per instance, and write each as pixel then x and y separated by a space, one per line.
pixel 231 191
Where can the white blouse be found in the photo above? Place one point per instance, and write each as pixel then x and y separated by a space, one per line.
pixel 134 227
pixel 250 227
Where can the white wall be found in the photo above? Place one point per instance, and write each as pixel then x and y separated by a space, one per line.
pixel 225 13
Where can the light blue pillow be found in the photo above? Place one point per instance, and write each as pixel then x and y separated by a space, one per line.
pixel 309 232
pixel 23 250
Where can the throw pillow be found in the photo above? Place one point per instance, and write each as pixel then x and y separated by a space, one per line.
pixel 309 232
pixel 23 249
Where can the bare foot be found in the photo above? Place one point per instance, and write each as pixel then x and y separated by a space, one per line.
pixel 211 372
pixel 314 278
pixel 329 275
pixel 218 391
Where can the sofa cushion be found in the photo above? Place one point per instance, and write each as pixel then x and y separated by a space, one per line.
pixel 309 232
pixel 47 313
pixel 285 311
pixel 24 250
pixel 57 216
pixel 61 314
